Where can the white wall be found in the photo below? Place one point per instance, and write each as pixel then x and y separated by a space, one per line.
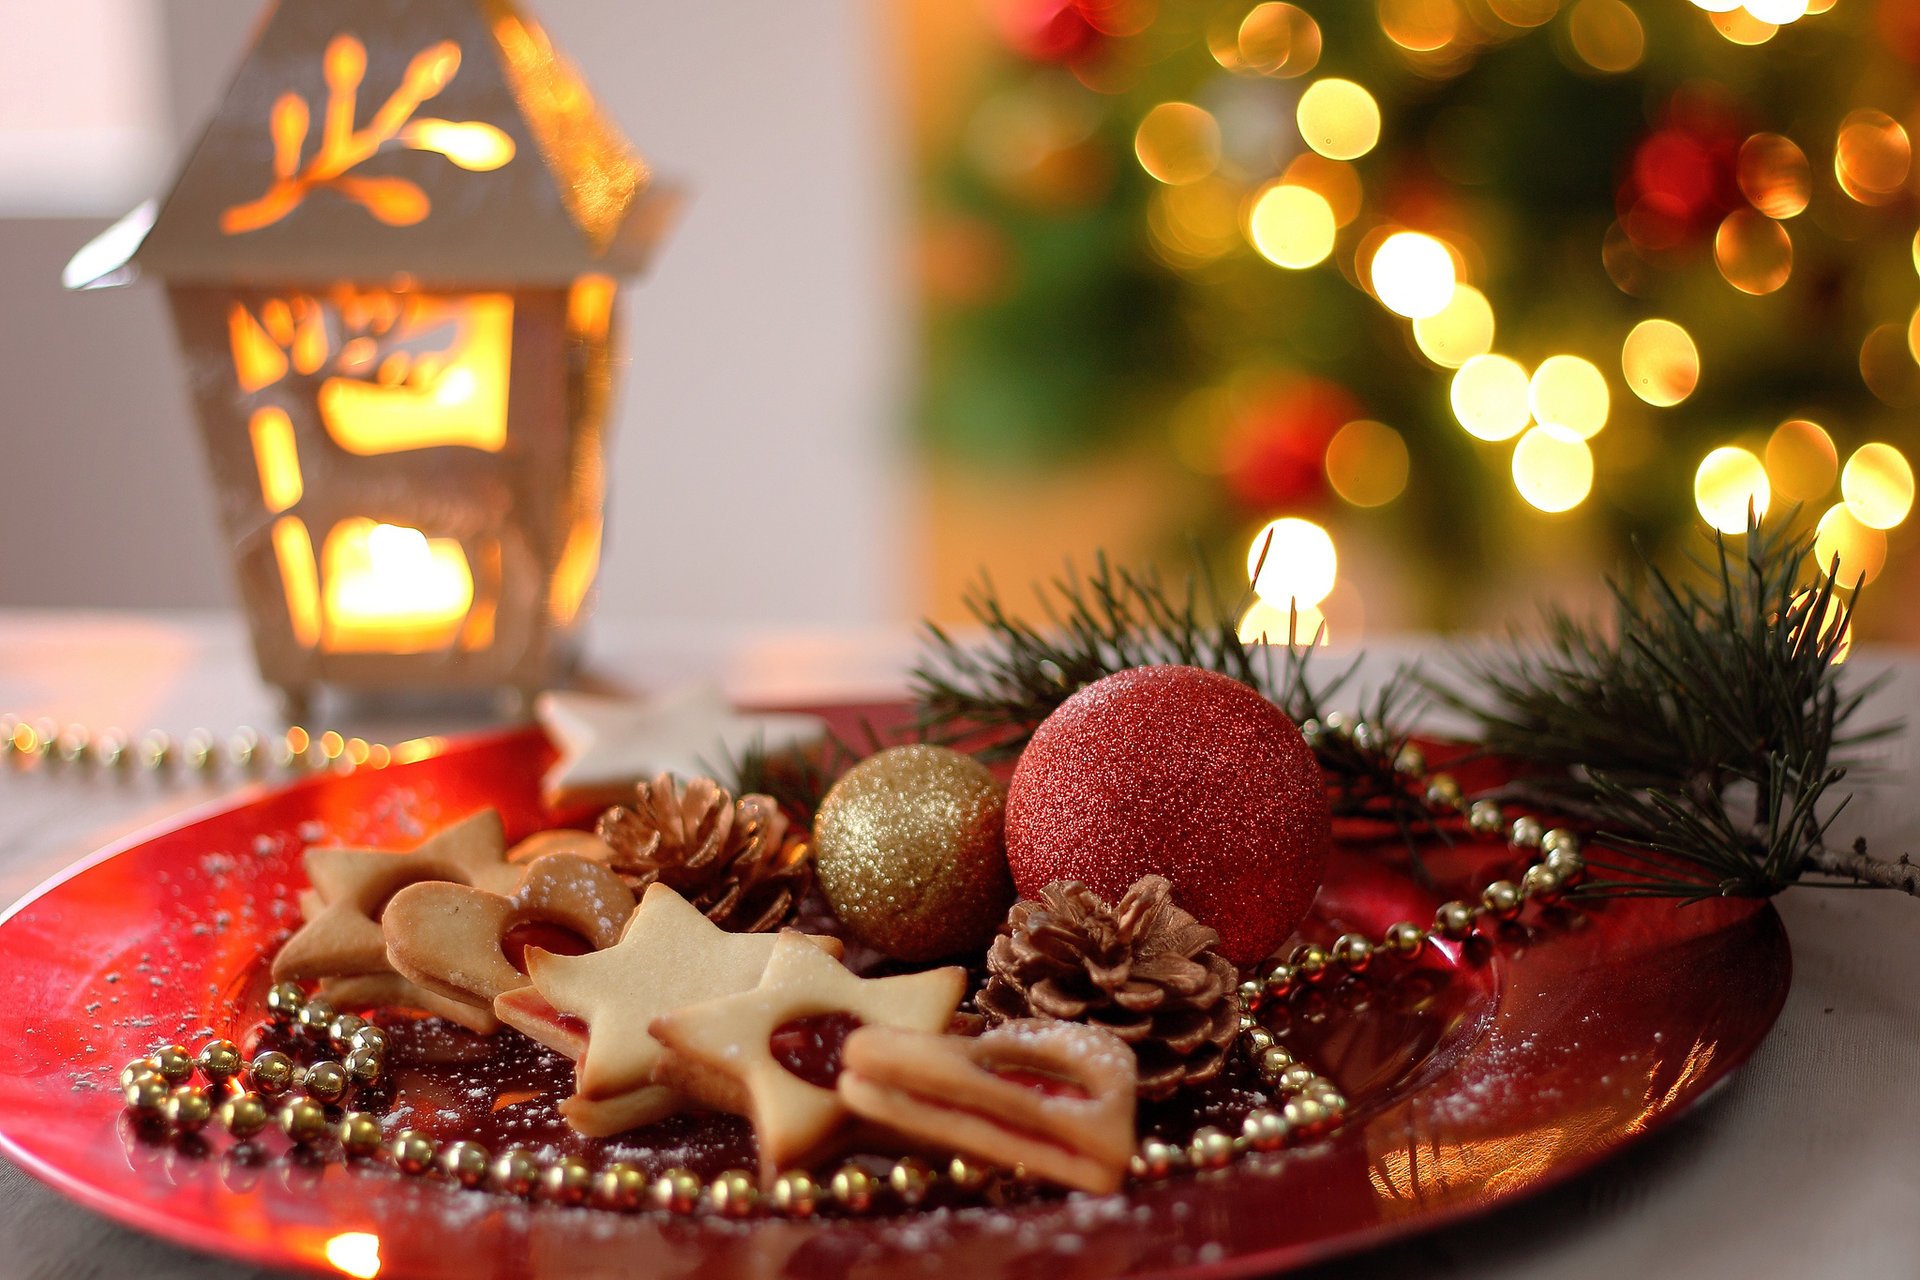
pixel 757 473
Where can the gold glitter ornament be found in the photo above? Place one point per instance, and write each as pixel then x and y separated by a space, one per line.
pixel 909 850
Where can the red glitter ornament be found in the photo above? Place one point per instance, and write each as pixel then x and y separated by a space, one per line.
pixel 1182 773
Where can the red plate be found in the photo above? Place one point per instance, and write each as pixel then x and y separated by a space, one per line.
pixel 1498 1072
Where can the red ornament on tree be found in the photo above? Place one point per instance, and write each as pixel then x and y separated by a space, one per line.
pixel 1182 773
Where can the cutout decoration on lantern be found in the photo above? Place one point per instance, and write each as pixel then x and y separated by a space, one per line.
pixel 392 260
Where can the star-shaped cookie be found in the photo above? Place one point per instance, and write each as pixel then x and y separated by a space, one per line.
pixel 608 744
pixel 720 1052
pixel 352 887
pixel 671 955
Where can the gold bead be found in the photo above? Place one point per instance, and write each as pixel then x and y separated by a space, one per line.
pixel 1154 1160
pixel 733 1194
pixel 1352 951
pixel 968 1175
pixel 218 1060
pixel 284 1002
pixel 173 1063
pixel 1328 1095
pixel 1274 1062
pixel 271 1073
pixel 676 1191
pixel 1309 962
pixel 567 1180
pixel 243 1115
pixel 316 1015
pixel 465 1163
pixel 1568 865
pixel 1295 1078
pixel 137 1068
pixel 303 1120
pixel 910 1179
pixel 1210 1148
pixel 1405 940
pixel 147 1095
pixel 1410 761
pixel 1279 982
pixel 326 1082
pixel 1248 1022
pixel 1558 838
pixel 1502 899
pixel 359 1133
pixel 1453 920
pixel 342 1030
pixel 371 1037
pixel 188 1109
pixel 1304 1115
pixel 620 1186
pixel 1525 833
pixel 1443 792
pixel 410 1151
pixel 795 1195
pixel 363 1066
pixel 853 1188
pixel 514 1173
pixel 1484 818
pixel 1264 1129
pixel 1541 882
pixel 1259 1040
pixel 1250 994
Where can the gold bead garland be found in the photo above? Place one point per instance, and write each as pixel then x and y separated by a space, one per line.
pixel 245 752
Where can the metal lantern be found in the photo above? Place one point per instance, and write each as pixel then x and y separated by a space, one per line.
pixel 391 261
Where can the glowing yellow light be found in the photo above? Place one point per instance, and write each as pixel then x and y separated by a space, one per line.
pixel 275 457
pixel 1753 252
pixel 1367 463
pixel 355 1253
pixel 1300 563
pixel 1412 274
pixel 1877 486
pixel 1552 468
pixel 470 144
pixel 1887 366
pixel 1291 226
pixel 416 402
pixel 1178 142
pixel 1801 460
pixel 1277 40
pixel 1568 391
pixel 1728 482
pixel 1913 334
pixel 392 589
pixel 1716 6
pixel 1524 13
pixel 1741 27
pixel 1607 35
pixel 1339 119
pixel 1420 26
pixel 1778 12
pixel 1802 605
pixel 299 578
pixel 1872 156
pixel 1489 396
pixel 1195 223
pixel 1861 551
pixel 1660 361
pixel 1774 175
pixel 1336 181
pixel 1301 625
pixel 1458 331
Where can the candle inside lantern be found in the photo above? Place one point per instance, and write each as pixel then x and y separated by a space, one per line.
pixel 392 589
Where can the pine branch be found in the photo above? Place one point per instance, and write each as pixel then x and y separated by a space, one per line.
pixel 1856 864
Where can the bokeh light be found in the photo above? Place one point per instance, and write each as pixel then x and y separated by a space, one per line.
pixel 1337 182
pixel 1774 175
pixel 1338 119
pixel 1367 463
pixel 1291 226
pixel 1301 625
pixel 1861 551
pixel 1412 274
pixel 1300 564
pixel 1276 40
pixel 1871 156
pixel 1729 483
pixel 1716 6
pixel 1741 27
pixel 1801 460
pixel 1569 391
pixel 1888 368
pixel 1178 142
pixel 1420 26
pixel 1830 617
pixel 1661 364
pixel 1753 252
pixel 1877 486
pixel 1552 468
pixel 1778 12
pixel 1489 396
pixel 1458 331
pixel 1524 13
pixel 1195 223
pixel 1607 35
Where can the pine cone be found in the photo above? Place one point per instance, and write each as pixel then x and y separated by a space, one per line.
pixel 1143 969
pixel 732 859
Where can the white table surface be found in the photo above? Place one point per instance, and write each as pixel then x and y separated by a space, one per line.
pixel 1807 1163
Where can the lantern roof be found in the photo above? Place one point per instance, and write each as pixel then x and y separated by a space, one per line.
pixel 443 142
